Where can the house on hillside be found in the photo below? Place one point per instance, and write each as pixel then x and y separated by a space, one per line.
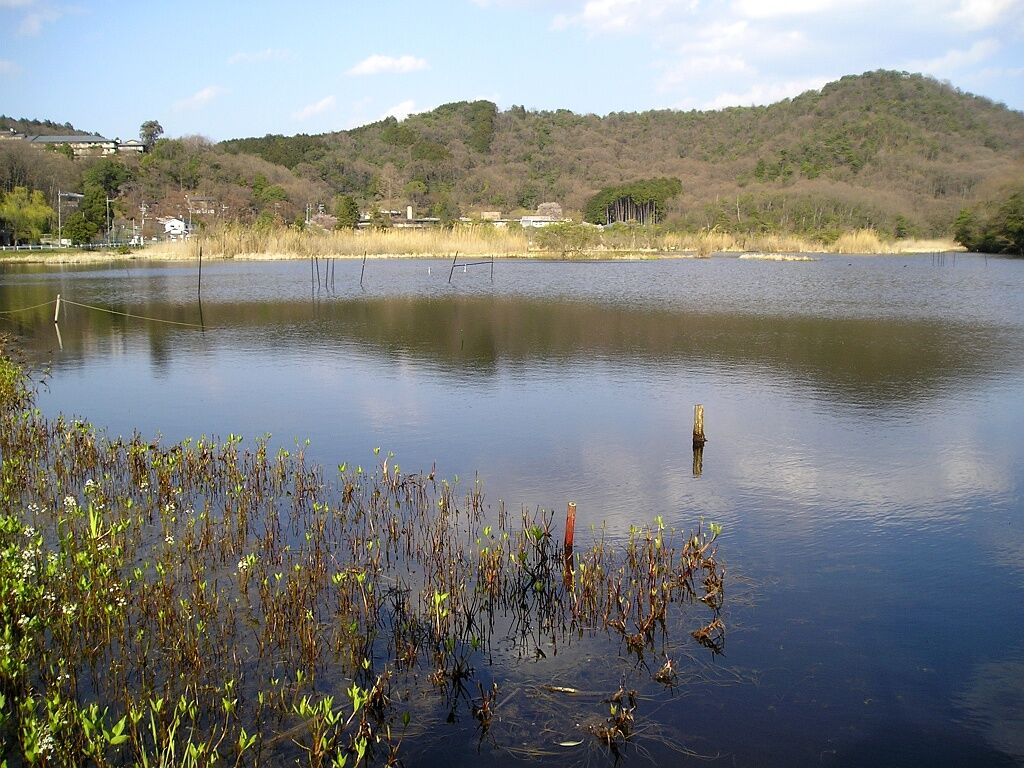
pixel 82 144
pixel 202 205
pixel 174 228
pixel 130 146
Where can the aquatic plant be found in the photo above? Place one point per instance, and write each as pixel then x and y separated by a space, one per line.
pixel 212 602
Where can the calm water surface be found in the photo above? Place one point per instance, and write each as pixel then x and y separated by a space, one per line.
pixel 865 456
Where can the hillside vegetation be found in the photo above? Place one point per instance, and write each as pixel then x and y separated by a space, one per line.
pixel 902 153
pixel 899 153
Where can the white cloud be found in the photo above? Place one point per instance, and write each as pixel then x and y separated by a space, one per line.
pixel 379 64
pixel 401 110
pixel 954 60
pixel 615 15
pixel 316 108
pixel 199 99
pixel 252 57
pixel 33 23
pixel 8 67
pixel 770 9
pixel 721 36
pixel 679 72
pixel 766 93
pixel 979 14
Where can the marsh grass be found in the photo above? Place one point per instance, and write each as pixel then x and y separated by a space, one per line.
pixel 236 241
pixel 209 603
pixel 582 243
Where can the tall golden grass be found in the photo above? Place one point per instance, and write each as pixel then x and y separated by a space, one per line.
pixel 239 241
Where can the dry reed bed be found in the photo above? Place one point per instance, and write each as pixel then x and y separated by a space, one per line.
pixel 485 240
pixel 481 240
pixel 202 602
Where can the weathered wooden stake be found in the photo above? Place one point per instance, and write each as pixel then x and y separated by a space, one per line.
pixel 199 287
pixel 570 526
pixel 698 461
pixel 698 426
pixel 56 312
pixel 452 272
pixel 363 269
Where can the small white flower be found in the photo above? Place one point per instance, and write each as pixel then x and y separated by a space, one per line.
pixel 46 744
pixel 169 540
pixel 70 503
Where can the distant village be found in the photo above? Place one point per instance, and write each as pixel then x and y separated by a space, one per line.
pixel 204 208
pixel 79 144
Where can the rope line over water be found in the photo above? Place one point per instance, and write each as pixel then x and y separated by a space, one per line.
pixel 49 303
pixel 129 314
pixel 63 300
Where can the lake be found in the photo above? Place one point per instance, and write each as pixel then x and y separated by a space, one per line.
pixel 865 455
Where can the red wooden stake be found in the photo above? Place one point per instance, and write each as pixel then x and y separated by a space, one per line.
pixel 570 526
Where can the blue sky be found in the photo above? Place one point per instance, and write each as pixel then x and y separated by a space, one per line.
pixel 225 70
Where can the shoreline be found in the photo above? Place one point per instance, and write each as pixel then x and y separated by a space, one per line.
pixel 188 252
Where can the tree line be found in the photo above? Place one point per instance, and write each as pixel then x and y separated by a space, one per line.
pixel 897 152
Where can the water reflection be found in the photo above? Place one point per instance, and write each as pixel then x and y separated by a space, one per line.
pixel 994 702
pixel 863 420
pixel 851 361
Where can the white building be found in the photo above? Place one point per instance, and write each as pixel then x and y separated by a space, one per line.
pixel 174 228
pixel 537 221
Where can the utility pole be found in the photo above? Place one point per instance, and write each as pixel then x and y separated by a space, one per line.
pixel 110 224
pixel 60 218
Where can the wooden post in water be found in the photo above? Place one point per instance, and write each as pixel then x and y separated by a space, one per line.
pixel 698 461
pixel 199 288
pixel 317 271
pixel 453 268
pixel 570 527
pixel 363 269
pixel 698 426
pixel 56 312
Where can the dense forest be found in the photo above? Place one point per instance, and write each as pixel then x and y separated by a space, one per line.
pixel 899 152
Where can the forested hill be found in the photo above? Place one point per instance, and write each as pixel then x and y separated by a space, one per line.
pixel 37 127
pixel 897 151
